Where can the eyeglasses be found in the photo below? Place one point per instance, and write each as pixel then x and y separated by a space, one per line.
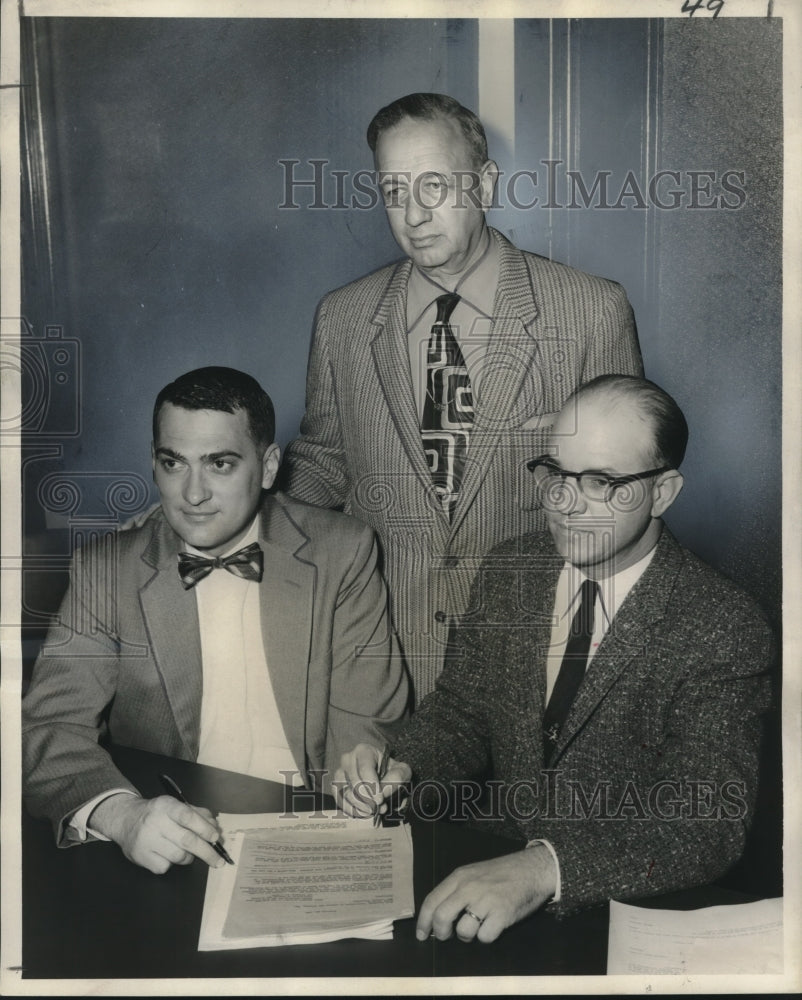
pixel 558 494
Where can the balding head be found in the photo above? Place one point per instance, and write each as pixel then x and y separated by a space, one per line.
pixel 668 425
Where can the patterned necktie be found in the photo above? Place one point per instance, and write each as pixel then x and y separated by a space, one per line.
pixel 245 563
pixel 448 408
pixel 572 670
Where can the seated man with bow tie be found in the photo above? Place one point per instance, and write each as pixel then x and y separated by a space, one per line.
pixel 235 628
pixel 609 682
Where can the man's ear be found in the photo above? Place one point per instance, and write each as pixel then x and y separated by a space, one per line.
pixel 153 458
pixel 667 487
pixel 270 464
pixel 488 175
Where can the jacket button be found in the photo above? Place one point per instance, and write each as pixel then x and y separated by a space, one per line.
pixel 440 616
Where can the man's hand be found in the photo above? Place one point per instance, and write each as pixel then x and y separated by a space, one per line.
pixel 356 781
pixel 157 833
pixel 479 901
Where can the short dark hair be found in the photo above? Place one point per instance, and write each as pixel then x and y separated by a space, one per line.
pixel 430 107
pixel 668 421
pixel 223 389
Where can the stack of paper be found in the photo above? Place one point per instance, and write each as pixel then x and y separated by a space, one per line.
pixel 741 938
pixel 306 880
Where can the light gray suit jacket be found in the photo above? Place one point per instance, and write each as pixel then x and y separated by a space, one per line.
pixel 653 778
pixel 125 660
pixel 360 444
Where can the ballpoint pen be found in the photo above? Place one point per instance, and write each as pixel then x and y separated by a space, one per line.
pixel 173 789
pixel 381 771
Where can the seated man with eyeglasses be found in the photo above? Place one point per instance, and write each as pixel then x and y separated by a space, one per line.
pixel 605 696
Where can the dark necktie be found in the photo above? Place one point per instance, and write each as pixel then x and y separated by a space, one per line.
pixel 448 407
pixel 572 670
pixel 245 563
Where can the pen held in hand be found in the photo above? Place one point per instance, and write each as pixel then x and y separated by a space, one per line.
pixel 171 787
pixel 381 771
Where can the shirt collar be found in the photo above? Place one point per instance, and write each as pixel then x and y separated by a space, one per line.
pixel 613 590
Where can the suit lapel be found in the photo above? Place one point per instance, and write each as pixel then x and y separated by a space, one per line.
pixel 538 586
pixel 624 645
pixel 171 619
pixel 391 359
pixel 510 356
pixel 286 596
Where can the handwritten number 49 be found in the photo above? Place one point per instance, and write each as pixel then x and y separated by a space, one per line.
pixel 712 5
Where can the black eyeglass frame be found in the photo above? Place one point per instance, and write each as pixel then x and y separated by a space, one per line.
pixel 613 482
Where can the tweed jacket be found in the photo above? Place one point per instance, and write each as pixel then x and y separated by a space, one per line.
pixel 360 445
pixel 125 660
pixel 652 782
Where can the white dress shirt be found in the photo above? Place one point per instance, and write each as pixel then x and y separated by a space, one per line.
pixel 240 725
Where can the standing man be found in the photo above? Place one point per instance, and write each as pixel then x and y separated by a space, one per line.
pixel 432 381
pixel 231 627
pixel 611 685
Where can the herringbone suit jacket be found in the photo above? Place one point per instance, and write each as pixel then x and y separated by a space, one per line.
pixel 652 782
pixel 360 444
pixel 125 660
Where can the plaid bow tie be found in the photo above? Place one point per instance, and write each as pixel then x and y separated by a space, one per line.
pixel 245 563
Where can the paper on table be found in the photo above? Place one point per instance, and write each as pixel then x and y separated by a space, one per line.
pixel 306 880
pixel 743 938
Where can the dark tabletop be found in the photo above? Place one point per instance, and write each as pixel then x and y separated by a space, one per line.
pixel 90 913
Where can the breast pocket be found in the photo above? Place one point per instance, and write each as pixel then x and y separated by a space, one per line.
pixel 539 422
